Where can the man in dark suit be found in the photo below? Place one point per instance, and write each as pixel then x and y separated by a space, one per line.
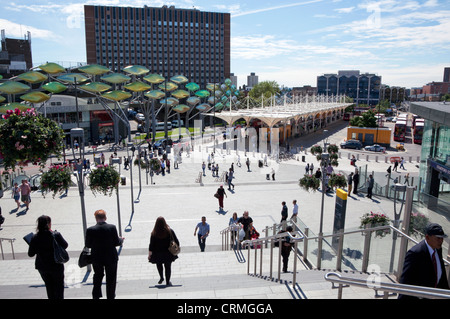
pixel 419 268
pixel 103 240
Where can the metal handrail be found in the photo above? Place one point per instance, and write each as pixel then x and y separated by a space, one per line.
pixel 11 240
pixel 386 287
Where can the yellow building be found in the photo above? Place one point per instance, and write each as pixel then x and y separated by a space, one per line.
pixel 370 135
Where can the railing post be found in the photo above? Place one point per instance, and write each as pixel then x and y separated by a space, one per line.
pixel 365 262
pixel 261 259
pixel 305 245
pixel 271 257
pixel 294 276
pixel 339 252
pixel 280 242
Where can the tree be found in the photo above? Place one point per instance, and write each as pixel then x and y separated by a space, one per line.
pixel 265 88
pixel 367 119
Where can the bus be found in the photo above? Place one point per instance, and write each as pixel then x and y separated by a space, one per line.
pixel 347 116
pixel 418 131
pixel 400 130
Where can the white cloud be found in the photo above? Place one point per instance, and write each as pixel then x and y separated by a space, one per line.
pixel 16 30
pixel 344 10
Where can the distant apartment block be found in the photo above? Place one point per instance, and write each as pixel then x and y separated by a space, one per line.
pixel 363 88
pixel 167 41
pixel 15 55
pixel 252 80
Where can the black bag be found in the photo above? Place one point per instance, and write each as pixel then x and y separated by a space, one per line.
pixel 85 258
pixel 60 254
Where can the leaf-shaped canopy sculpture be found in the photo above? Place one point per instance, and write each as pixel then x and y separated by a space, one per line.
pixel 12 106
pixel 136 69
pixel 181 108
pixel 137 86
pixel 54 87
pixel 170 101
pixel 180 94
pixel 13 87
pixel 168 86
pixel 154 78
pixel 72 77
pixel 52 68
pixel 32 77
pixel 192 86
pixel 155 94
pixel 193 100
pixel 115 78
pixel 95 87
pixel 35 97
pixel 116 95
pixel 2 99
pixel 179 79
pixel 202 93
pixel 204 107
pixel 94 69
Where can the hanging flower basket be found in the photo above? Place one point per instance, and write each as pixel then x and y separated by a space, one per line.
pixel 309 183
pixel 104 180
pixel 56 180
pixel 28 137
pixel 155 164
pixel 417 224
pixel 316 150
pixel 337 180
pixel 375 220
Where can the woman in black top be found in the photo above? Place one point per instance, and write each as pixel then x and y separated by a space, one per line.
pixel 158 251
pixel 41 245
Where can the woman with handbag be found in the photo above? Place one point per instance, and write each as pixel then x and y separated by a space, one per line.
pixel 161 239
pixel 41 245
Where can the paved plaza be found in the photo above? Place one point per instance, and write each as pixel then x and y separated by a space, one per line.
pixel 182 201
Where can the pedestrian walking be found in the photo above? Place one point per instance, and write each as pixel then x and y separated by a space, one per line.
pixel 389 171
pixel 219 195
pixel 307 169
pixel 230 179
pixel 273 174
pixel 25 191
pixel 355 182
pixel 350 182
pixel 203 168
pixel 406 179
pixel 311 168
pixel 370 183
pixel 247 223
pixel 294 211
pixel 395 166
pixel 16 195
pixel 247 162
pixel 234 228
pixel 402 162
pixel 286 247
pixel 203 232
pixel 158 249
pixel 41 246
pixel 284 212
pixel 103 239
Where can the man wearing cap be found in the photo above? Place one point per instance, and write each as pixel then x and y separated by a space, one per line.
pixel 423 264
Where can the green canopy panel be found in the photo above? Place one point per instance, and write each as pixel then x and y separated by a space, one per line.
pixel 117 95
pixel 202 93
pixel 33 77
pixel 54 87
pixel 179 79
pixel 2 99
pixel 12 106
pixel 212 87
pixel 35 97
pixel 180 94
pixel 136 69
pixel 95 87
pixel 154 78
pixel 193 100
pixel 168 86
pixel 137 86
pixel 170 101
pixel 94 69
pixel 155 94
pixel 13 87
pixel 52 68
pixel 182 108
pixel 72 77
pixel 204 107
pixel 192 86
pixel 116 78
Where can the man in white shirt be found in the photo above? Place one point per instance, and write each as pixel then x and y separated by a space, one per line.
pixel 294 211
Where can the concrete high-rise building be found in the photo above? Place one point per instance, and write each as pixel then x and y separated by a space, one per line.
pixel 252 80
pixel 167 41
pixel 15 55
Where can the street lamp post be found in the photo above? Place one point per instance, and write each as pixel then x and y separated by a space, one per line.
pixel 325 157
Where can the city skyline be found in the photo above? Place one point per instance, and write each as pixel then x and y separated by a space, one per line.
pixel 291 43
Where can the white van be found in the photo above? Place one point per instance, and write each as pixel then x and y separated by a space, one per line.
pixel 160 126
pixel 176 124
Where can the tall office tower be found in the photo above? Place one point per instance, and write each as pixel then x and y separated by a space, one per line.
pixel 446 75
pixel 165 40
pixel 252 80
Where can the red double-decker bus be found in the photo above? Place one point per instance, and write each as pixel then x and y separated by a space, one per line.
pixel 418 131
pixel 400 131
